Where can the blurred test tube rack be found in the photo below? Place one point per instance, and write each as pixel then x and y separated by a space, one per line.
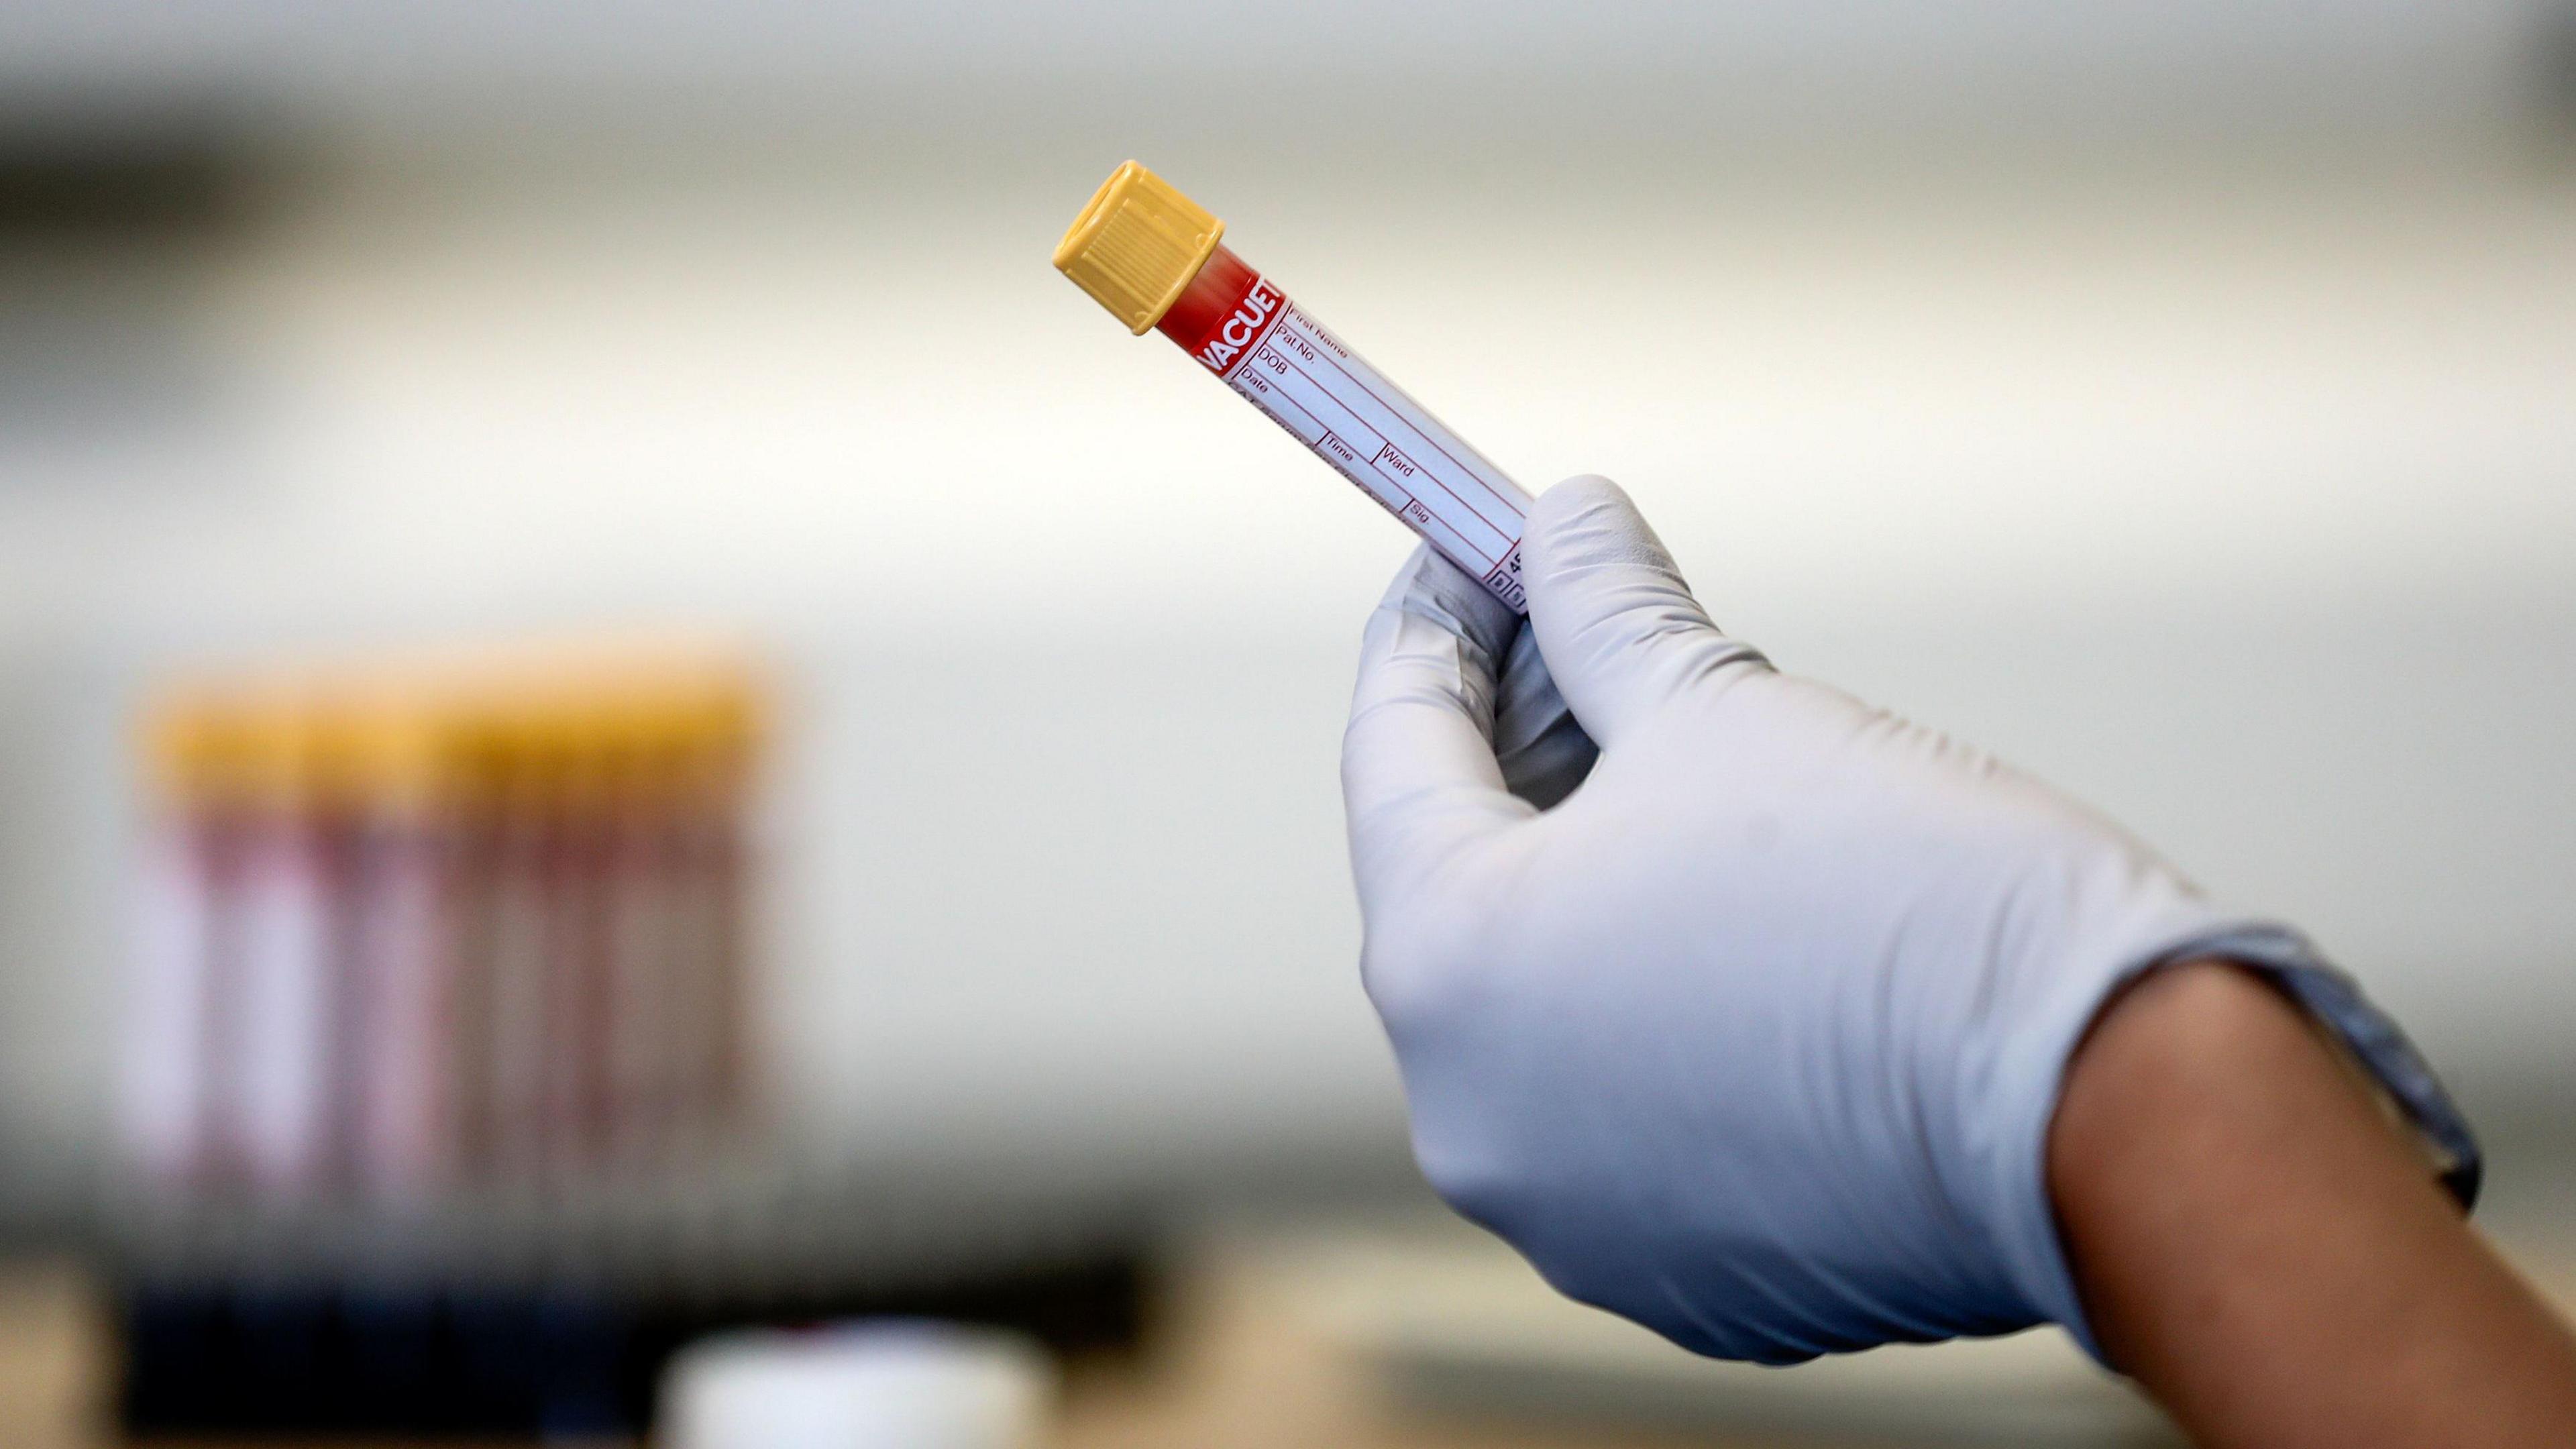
pixel 441 1105
pixel 406 933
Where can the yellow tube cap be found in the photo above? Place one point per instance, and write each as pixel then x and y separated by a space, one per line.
pixel 1137 245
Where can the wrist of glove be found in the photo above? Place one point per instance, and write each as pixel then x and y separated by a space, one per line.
pixel 1738 1007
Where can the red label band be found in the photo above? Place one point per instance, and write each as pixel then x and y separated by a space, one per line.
pixel 1220 318
pixel 1226 344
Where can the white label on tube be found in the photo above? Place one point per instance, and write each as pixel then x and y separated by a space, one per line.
pixel 1313 385
pixel 283 1015
pixel 405 1091
pixel 168 1012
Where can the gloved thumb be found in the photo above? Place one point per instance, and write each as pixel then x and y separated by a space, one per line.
pixel 1615 621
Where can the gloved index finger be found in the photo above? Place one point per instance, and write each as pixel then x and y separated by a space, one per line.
pixel 1621 631
pixel 1419 777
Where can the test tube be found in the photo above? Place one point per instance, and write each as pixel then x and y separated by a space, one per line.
pixel 404 950
pixel 1156 260
pixel 199 752
pixel 285 1008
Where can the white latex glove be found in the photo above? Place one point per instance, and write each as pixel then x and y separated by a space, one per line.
pixel 1755 1037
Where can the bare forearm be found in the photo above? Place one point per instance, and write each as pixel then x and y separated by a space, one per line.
pixel 2260 1250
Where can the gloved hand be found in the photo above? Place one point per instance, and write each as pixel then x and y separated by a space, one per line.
pixel 1754 1037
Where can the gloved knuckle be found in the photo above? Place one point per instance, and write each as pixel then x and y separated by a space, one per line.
pixel 1410 988
pixel 1581 491
pixel 1469 1181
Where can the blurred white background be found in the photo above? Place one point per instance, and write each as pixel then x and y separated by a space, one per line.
pixel 2179 398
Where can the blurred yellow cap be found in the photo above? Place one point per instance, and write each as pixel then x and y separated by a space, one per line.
pixel 466 731
pixel 399 753
pixel 199 743
pixel 1137 245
